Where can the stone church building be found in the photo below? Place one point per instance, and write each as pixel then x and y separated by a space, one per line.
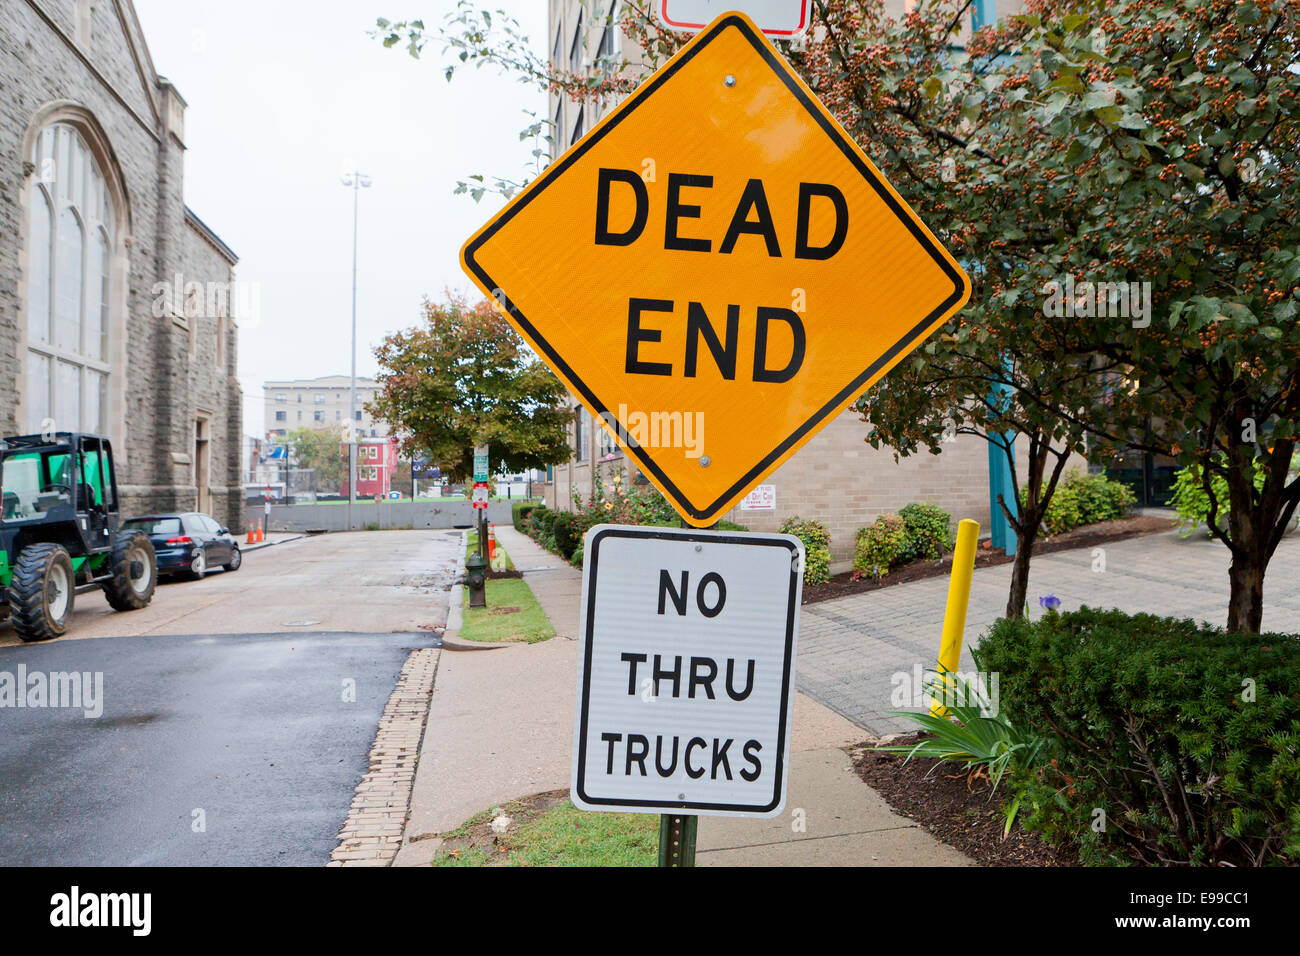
pixel 117 303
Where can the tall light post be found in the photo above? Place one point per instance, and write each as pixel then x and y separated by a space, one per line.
pixel 356 181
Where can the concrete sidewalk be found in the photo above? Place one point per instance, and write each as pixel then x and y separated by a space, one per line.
pixel 500 727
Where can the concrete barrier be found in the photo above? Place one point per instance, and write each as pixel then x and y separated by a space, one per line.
pixel 369 515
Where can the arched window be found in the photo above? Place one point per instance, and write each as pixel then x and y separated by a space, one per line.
pixel 70 253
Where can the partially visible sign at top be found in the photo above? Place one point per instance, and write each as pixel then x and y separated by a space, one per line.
pixel 785 19
pixel 480 463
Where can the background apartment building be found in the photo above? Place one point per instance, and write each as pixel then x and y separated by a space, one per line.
pixel 320 403
pixel 837 477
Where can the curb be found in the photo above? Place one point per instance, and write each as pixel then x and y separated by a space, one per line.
pixel 269 544
pixel 456 614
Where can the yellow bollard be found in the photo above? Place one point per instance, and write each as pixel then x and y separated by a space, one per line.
pixel 954 617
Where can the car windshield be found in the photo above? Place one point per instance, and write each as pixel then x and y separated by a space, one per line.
pixel 33 483
pixel 154 525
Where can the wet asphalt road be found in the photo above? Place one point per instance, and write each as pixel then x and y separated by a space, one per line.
pixel 251 730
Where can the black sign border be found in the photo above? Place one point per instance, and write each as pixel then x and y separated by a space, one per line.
pixel 642 93
pixel 591 559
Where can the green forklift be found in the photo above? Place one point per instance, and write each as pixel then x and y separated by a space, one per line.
pixel 59 533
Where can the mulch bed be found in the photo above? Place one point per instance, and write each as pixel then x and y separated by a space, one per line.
pixel 1088 536
pixel 954 806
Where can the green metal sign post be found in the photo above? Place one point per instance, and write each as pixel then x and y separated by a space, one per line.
pixel 677 839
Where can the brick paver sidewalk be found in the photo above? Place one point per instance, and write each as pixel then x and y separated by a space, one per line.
pixel 851 648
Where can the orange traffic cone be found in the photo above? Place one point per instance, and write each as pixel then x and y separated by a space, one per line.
pixel 492 541
pixel 251 539
pixel 259 530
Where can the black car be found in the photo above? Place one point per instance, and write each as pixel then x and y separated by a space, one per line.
pixel 190 544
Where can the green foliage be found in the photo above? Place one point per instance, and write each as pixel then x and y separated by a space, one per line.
pixel 974 738
pixel 1192 503
pixel 519 511
pixel 816 540
pixel 1186 738
pixel 465 377
pixel 614 502
pixel 322 450
pixel 1083 499
pixel 878 546
pixel 928 531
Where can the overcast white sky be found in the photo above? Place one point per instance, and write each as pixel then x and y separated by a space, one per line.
pixel 282 95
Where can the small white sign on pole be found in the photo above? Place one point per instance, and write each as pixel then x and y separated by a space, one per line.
pixel 762 498
pixel 784 19
pixel 686 671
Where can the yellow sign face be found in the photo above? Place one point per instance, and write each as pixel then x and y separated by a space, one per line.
pixel 716 270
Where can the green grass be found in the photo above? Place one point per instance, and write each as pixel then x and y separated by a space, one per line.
pixel 528 625
pixel 563 836
pixel 502 560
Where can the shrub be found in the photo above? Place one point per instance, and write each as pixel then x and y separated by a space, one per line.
pixel 539 520
pixel 877 547
pixel 1188 739
pixel 1082 499
pixel 817 548
pixel 567 530
pixel 1192 504
pixel 730 526
pixel 928 532
pixel 519 512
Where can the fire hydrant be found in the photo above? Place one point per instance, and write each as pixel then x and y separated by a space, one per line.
pixel 475 579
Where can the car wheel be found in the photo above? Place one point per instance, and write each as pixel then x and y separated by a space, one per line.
pixel 41 593
pixel 198 565
pixel 236 559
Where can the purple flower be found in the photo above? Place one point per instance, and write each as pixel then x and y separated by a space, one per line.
pixel 1049 601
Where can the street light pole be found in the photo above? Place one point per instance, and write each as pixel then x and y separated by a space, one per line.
pixel 357 181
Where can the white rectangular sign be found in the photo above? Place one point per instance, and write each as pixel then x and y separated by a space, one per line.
pixel 785 19
pixel 762 498
pixel 686 671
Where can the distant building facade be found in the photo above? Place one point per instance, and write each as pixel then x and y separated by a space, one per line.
pixel 836 478
pixel 321 403
pixel 117 303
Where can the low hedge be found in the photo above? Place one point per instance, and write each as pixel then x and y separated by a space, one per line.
pixel 816 540
pixel 1082 499
pixel 928 532
pixel 1178 744
pixel 519 512
pixel 877 547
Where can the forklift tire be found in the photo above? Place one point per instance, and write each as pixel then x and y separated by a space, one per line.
pixel 41 593
pixel 134 568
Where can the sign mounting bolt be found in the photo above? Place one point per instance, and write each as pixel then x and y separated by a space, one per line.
pixel 730 80
pixel 704 462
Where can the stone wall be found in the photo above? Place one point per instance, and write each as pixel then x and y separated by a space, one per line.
pixel 103 82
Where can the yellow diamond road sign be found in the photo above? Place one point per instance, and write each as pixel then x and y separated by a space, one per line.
pixel 716 270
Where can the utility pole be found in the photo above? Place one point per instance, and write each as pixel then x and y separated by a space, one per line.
pixel 357 181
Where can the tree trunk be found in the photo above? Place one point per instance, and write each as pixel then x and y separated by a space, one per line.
pixel 1016 598
pixel 1246 602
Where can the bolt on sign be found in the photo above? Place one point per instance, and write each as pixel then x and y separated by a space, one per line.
pixel 686 671
pixel 785 19
pixel 716 251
